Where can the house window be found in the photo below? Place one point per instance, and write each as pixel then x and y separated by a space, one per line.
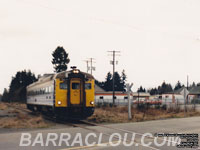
pixel 125 97
pixel 101 97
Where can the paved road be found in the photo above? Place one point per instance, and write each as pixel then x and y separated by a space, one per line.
pixel 101 137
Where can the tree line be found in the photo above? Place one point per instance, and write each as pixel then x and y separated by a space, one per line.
pixel 120 82
pixel 17 88
pixel 165 88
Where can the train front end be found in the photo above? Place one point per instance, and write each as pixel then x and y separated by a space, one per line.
pixel 74 94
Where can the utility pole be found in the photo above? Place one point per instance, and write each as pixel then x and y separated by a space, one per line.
pixel 87 61
pixel 91 68
pixel 113 63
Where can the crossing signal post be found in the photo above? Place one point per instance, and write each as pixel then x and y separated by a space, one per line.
pixel 128 86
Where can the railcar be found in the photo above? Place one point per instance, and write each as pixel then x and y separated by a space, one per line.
pixel 68 94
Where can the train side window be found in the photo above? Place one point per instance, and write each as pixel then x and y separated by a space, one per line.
pixel 46 90
pixel 88 86
pixel 50 89
pixel 125 97
pixel 75 86
pixel 43 90
pixel 101 97
pixel 63 85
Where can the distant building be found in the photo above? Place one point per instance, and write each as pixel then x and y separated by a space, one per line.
pixel 141 96
pixel 102 96
pixel 194 93
pixel 121 98
pixel 177 98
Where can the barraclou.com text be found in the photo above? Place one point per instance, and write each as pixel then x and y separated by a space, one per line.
pixel 92 139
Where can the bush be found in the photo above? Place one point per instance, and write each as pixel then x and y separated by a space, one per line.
pixel 141 106
pixel 98 105
pixel 105 104
pixel 195 101
pixel 164 107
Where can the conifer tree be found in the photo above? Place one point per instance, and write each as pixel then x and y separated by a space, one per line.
pixel 60 59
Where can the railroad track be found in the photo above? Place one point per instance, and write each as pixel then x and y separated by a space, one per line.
pixel 85 125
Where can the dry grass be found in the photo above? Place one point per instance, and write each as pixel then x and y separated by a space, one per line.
pixel 15 118
pixel 3 106
pixel 120 115
pixel 23 121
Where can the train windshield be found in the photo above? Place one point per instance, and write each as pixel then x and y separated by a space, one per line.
pixel 75 86
pixel 88 86
pixel 63 85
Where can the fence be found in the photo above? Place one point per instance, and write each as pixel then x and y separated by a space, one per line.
pixel 120 102
pixel 193 104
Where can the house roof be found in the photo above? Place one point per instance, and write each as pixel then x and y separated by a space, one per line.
pixel 178 91
pixel 195 90
pixel 141 94
pixel 98 89
pixel 192 90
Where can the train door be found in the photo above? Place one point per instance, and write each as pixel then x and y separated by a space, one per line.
pixel 75 92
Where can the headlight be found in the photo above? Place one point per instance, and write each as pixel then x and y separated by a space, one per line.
pixel 75 71
pixel 59 102
pixel 92 103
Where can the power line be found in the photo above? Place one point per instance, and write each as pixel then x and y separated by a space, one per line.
pixel 113 63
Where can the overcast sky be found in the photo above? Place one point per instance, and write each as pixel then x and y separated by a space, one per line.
pixel 158 39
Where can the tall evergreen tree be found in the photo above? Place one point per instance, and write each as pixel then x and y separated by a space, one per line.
pixel 193 84
pixel 100 84
pixel 5 96
pixel 164 88
pixel 178 86
pixel 60 59
pixel 141 89
pixel 19 82
pixel 108 83
pixel 153 91
pixel 123 81
pixel 118 82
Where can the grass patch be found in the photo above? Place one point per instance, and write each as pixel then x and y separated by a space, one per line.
pixel 16 118
pixel 23 121
pixel 3 106
pixel 120 114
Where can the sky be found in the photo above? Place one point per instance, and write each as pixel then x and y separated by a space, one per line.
pixel 158 40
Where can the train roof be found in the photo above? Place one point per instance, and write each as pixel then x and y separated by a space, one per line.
pixel 61 75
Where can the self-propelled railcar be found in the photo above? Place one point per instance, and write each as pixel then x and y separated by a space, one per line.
pixel 68 94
